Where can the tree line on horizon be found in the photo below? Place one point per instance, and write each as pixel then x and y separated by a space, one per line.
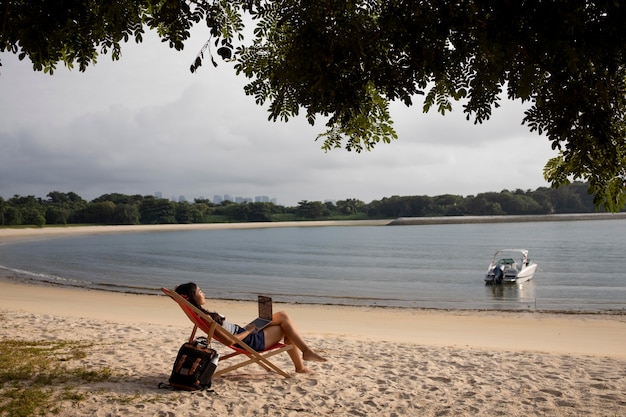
pixel 61 208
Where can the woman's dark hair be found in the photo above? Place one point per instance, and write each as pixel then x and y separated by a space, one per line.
pixel 188 291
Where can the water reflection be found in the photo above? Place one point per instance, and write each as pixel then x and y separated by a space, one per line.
pixel 518 295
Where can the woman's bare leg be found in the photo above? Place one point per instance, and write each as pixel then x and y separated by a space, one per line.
pixel 282 327
pixel 296 357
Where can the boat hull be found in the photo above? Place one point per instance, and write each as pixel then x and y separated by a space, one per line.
pixel 524 275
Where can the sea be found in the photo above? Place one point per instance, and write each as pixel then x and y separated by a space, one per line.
pixel 581 264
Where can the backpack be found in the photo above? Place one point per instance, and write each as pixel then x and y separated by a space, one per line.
pixel 194 366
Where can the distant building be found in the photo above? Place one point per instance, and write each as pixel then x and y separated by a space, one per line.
pixel 219 199
pixel 158 194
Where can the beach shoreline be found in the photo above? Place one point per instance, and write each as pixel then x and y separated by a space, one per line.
pixel 25 233
pixel 520 302
pixel 560 333
pixel 21 233
pixel 387 361
pixel 50 295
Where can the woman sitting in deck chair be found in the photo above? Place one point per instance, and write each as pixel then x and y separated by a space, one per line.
pixel 280 328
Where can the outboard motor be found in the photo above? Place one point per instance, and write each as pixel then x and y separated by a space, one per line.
pixel 498 275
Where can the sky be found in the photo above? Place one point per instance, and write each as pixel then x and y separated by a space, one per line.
pixel 146 124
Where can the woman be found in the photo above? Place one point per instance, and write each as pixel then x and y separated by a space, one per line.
pixel 281 328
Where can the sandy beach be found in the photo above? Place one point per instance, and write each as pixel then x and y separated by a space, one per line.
pixel 381 361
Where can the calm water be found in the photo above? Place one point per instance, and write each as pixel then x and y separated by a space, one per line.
pixel 581 264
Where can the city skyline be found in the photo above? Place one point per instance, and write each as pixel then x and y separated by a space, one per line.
pixel 219 198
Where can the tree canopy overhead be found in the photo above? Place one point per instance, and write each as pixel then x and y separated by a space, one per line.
pixel 346 60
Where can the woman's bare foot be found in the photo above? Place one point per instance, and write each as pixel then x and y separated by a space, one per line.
pixel 312 356
pixel 304 370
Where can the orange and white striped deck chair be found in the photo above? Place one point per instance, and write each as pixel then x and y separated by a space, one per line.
pixel 216 332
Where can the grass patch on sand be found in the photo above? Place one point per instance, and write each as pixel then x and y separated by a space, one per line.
pixel 35 377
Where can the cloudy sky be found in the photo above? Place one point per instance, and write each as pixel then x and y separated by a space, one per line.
pixel 146 124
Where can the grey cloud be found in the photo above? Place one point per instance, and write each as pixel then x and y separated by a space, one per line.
pixel 145 124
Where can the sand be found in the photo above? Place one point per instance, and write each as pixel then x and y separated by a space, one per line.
pixel 381 361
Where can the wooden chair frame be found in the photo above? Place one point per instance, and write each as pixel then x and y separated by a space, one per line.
pixel 216 332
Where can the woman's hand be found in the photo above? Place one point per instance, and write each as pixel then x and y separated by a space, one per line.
pixel 251 328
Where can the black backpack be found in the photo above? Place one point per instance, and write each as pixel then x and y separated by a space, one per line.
pixel 194 366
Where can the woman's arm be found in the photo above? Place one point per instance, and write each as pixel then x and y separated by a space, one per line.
pixel 249 329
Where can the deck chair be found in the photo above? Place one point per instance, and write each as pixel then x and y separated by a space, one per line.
pixel 216 332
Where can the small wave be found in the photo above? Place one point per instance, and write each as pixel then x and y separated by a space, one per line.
pixel 37 276
pixel 41 278
pixel 139 289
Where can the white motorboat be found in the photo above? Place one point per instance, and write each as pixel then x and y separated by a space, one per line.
pixel 510 266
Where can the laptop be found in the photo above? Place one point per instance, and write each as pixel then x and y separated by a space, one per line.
pixel 265 313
